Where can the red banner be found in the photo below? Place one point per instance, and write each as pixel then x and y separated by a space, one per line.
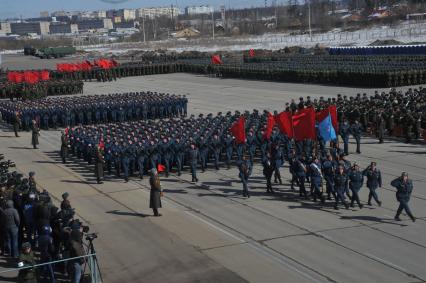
pixel 216 60
pixel 238 130
pixel 270 123
pixel 285 123
pixel 304 124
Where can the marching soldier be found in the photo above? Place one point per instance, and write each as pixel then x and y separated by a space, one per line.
pixel 356 179
pixel 374 181
pixel 404 187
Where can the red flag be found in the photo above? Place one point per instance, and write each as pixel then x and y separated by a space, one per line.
pixel 114 63
pixel 30 77
pixel 252 53
pixel 238 130
pixel 333 113
pixel 216 60
pixel 11 77
pixel 161 168
pixel 304 124
pixel 285 123
pixel 44 75
pixel 19 77
pixel 269 126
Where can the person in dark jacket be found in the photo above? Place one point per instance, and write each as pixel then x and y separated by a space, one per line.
pixel 339 186
pixel 16 123
pixel 99 165
pixel 316 180
pixel 244 168
pixel 268 170
pixel 35 132
pixel 404 188
pixel 193 159
pixel 155 193
pixel 374 181
pixel 76 250
pixel 356 179
pixel 11 222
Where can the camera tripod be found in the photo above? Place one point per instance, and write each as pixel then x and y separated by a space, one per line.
pixel 92 263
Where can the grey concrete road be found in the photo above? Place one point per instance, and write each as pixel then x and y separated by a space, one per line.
pixel 210 233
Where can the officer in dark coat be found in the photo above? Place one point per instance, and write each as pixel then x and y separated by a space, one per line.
pixel 193 159
pixel 16 123
pixel 374 181
pixel 35 132
pixel 155 193
pixel 316 180
pixel 340 186
pixel 99 165
pixel 299 167
pixel 404 188
pixel 268 170
pixel 329 170
pixel 344 131
pixel 244 168
pixel 356 179
pixel 356 131
pixel 64 147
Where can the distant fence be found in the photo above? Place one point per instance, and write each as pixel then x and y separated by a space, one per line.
pixel 405 32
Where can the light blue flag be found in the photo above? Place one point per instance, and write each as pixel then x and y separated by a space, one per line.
pixel 326 129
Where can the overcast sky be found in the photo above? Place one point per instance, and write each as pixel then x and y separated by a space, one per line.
pixel 32 8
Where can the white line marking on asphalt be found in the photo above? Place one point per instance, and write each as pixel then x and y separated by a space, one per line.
pixel 387 262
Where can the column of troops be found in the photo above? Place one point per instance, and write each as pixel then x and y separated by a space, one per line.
pixel 85 110
pixel 26 91
pixel 129 69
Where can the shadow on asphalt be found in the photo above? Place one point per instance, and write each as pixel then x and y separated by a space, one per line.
pixel 372 219
pixel 125 213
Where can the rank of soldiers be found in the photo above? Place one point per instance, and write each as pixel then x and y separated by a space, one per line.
pixel 56 112
pixel 366 71
pixel 26 91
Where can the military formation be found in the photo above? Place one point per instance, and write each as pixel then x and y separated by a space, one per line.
pixel 70 111
pixel 26 91
pixel 393 113
pixel 129 69
pixel 35 231
pixel 206 143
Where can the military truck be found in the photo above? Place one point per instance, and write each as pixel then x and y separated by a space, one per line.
pixel 50 52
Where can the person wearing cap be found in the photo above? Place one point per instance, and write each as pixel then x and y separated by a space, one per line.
pixel 65 204
pixel 99 164
pixel 46 249
pixel 26 259
pixel 35 132
pixel 356 180
pixel 340 181
pixel 356 131
pixel 374 181
pixel 155 193
pixel 404 188
pixel 244 168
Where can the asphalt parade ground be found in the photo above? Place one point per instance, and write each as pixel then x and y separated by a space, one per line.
pixel 209 232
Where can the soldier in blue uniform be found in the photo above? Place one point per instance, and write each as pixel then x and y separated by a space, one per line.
pixel 193 159
pixel 316 180
pixel 340 180
pixel 374 181
pixel 277 158
pixel 268 171
pixel 344 131
pixel 329 168
pixel 299 168
pixel 404 189
pixel 356 131
pixel 356 180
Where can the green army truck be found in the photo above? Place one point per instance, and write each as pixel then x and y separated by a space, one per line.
pixel 50 52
